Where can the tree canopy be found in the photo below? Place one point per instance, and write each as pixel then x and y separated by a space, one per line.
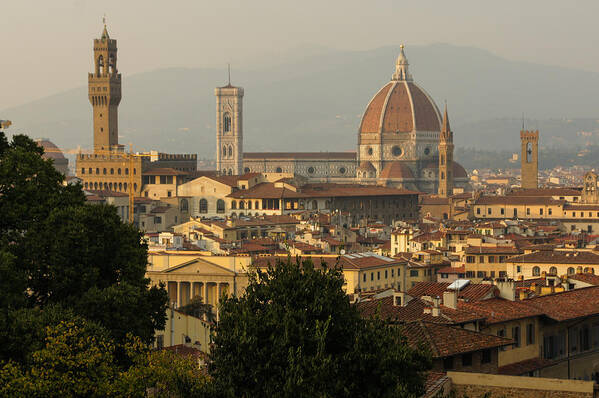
pixel 294 334
pixel 60 254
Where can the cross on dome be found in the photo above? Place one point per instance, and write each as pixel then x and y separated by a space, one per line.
pixel 401 67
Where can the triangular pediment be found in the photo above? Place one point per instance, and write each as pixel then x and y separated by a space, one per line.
pixel 198 266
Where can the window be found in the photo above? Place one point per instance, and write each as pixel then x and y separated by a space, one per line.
pixel 157 220
pixel 536 271
pixel 104 171
pixel 501 333
pixel 279 170
pixel 552 271
pixel 83 170
pixel 530 334
pixel 396 151
pixel 481 259
pixel 518 268
pixel 549 211
pixel 184 205
pixel 467 359
pixel 378 275
pixel 372 276
pixel 385 274
pixel 528 211
pixel 311 170
pixel 489 210
pixel 220 206
pixel 233 205
pixel 486 356
pixel 470 259
pixel 364 277
pixel 469 274
pixel 516 336
pixel 448 363
pixel 398 271
pixel 571 271
pixel 392 273
pixel 480 274
pixel 491 259
pixel 413 272
pixel 226 122
pixel 118 171
pixel 203 206
pixel 541 211
pixel 478 210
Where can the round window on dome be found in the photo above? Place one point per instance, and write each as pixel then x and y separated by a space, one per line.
pixel 342 170
pixel 370 151
pixel 427 151
pixel 246 170
pixel 396 151
pixel 279 170
pixel 311 170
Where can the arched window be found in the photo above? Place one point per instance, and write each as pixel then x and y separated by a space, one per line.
pixel 97 170
pixel 552 271
pixel 230 151
pixel 127 171
pixel 100 66
pixel 536 271
pixel 230 172
pixel 125 187
pixel 241 205
pixel 256 205
pixel 83 170
pixel 111 64
pixel 120 186
pixel 203 206
pixel 134 186
pixel 90 170
pixel 233 205
pixel 134 171
pixel 224 151
pixel 184 205
pixel 246 170
pixel 226 122
pixel 314 205
pixel 233 215
pixel 86 185
pixel 104 171
pixel 118 171
pixel 95 185
pixel 220 206
pixel 249 205
pixel 571 271
pixel 111 171
pixel 279 170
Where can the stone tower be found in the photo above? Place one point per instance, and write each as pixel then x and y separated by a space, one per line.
pixel 229 129
pixel 589 188
pixel 445 158
pixel 104 88
pixel 530 159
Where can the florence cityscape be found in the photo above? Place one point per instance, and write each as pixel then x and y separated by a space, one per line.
pixel 267 199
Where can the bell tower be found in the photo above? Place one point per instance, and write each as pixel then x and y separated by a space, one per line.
pixel 445 158
pixel 229 129
pixel 104 91
pixel 530 159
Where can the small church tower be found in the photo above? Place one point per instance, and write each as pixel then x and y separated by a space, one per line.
pixel 445 158
pixel 104 91
pixel 530 159
pixel 229 129
pixel 589 189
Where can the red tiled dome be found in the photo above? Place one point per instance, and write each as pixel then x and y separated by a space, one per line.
pixel 401 106
pixel 458 169
pixel 51 151
pixel 396 170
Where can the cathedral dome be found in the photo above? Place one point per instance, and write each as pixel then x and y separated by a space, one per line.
pixel 396 170
pixel 401 106
pixel 51 151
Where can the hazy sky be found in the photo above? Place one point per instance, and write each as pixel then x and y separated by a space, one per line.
pixel 46 45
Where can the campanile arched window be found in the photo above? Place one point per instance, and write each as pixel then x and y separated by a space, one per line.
pixel 226 122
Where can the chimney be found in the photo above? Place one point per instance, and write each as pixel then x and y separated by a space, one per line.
pixel 450 299
pixel 507 288
pixel 436 311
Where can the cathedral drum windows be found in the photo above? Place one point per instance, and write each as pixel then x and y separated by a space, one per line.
pixel 427 151
pixel 279 170
pixel 311 170
pixel 396 151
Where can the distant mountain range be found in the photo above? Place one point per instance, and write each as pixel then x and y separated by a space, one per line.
pixel 315 102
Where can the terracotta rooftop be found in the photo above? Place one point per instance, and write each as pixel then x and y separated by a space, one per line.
pixel 572 304
pixel 414 310
pixel 546 192
pixel 492 250
pixel 445 341
pixel 520 200
pixel 267 190
pixel 524 367
pixel 347 261
pixel 589 278
pixel 164 171
pixel 498 310
pixel 557 257
pixel 396 170
pixel 106 193
pixel 471 292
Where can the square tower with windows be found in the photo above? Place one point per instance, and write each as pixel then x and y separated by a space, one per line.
pixel 530 159
pixel 229 129
pixel 104 90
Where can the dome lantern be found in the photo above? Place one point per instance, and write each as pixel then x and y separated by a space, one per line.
pixel 401 67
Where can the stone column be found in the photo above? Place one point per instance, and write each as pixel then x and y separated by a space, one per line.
pixel 178 294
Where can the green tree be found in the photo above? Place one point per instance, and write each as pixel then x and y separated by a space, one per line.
pixel 198 309
pixel 294 334
pixel 55 250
